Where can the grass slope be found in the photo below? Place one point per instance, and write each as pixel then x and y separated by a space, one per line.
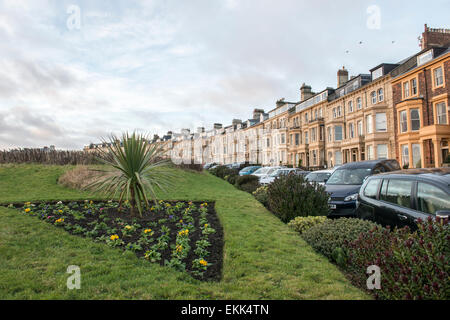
pixel 263 259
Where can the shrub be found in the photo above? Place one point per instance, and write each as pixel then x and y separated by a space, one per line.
pixel 247 183
pixel 222 171
pixel 261 195
pixel 291 196
pixel 190 166
pixel 78 178
pixel 412 265
pixel 134 171
pixel 334 233
pixel 231 178
pixel 301 224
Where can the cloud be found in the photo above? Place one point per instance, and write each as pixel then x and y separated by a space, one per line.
pixel 167 65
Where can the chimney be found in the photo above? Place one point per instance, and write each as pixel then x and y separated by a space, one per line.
pixel 257 113
pixel 217 126
pixel 280 102
pixel 200 129
pixel 236 122
pixel 435 37
pixel 342 76
pixel 305 92
pixel 185 132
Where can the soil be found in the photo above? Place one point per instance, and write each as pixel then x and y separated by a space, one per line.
pixel 215 257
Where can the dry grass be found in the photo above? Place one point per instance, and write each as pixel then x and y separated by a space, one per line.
pixel 79 177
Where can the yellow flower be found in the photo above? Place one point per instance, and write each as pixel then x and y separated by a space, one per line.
pixel 128 227
pixel 179 248
pixel 181 221
pixel 183 232
pixel 27 203
pixel 60 211
pixel 203 262
pixel 27 210
pixel 59 220
pixel 206 225
pixel 114 237
pixel 147 230
pixel 91 202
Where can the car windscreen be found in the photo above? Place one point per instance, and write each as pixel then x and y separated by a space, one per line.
pixel 317 176
pixel 349 176
pixel 261 171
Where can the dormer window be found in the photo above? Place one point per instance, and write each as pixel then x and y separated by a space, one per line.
pixel 424 57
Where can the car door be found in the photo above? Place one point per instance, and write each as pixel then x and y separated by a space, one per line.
pixel 368 200
pixel 396 205
pixel 431 199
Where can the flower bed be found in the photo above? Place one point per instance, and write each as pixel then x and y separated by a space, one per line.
pixel 184 235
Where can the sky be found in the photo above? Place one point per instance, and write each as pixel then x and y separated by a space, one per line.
pixel 73 72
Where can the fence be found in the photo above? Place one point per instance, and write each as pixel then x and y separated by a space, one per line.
pixel 48 157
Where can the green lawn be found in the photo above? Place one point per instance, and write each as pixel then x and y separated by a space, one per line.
pixel 263 259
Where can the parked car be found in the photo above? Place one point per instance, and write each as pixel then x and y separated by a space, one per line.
pixel 209 165
pixel 263 171
pixel 248 170
pixel 267 179
pixel 345 182
pixel 320 176
pixel 399 198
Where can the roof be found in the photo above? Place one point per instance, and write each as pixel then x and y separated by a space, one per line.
pixel 432 174
pixel 368 164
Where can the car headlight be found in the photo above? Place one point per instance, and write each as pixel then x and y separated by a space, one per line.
pixel 351 197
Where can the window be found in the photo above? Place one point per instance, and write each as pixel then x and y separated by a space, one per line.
pixel 358 104
pixel 414 87
pixel 339 111
pixel 313 134
pixel 416 155
pixel 380 94
pixel 306 117
pixel 314 156
pixel 406 90
pixel 338 158
pixel 438 77
pixel 415 119
pixel 369 152
pixel 337 133
pixel 397 192
pixel 297 137
pixel 360 128
pixel 306 137
pixel 330 136
pixel 380 122
pixel 441 112
pixel 382 151
pixel 371 188
pixel 431 198
pixel 350 106
pixel 405 155
pixel 334 113
pixel 283 138
pixel 369 125
pixel 373 95
pixel 351 130
pixel 403 121
pixel 268 142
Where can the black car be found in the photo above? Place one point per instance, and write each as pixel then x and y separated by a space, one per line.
pixel 400 198
pixel 345 182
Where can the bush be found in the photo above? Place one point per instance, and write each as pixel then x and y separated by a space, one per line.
pixel 301 224
pixel 332 234
pixel 292 196
pixel 412 265
pixel 190 166
pixel 231 178
pixel 261 195
pixel 78 178
pixel 247 183
pixel 222 171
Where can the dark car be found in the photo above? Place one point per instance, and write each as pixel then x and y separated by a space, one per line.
pixel 209 165
pixel 345 182
pixel 399 198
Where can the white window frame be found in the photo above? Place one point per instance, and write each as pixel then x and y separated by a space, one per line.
pixel 440 114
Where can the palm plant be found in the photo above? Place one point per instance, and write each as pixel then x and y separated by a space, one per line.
pixel 135 171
